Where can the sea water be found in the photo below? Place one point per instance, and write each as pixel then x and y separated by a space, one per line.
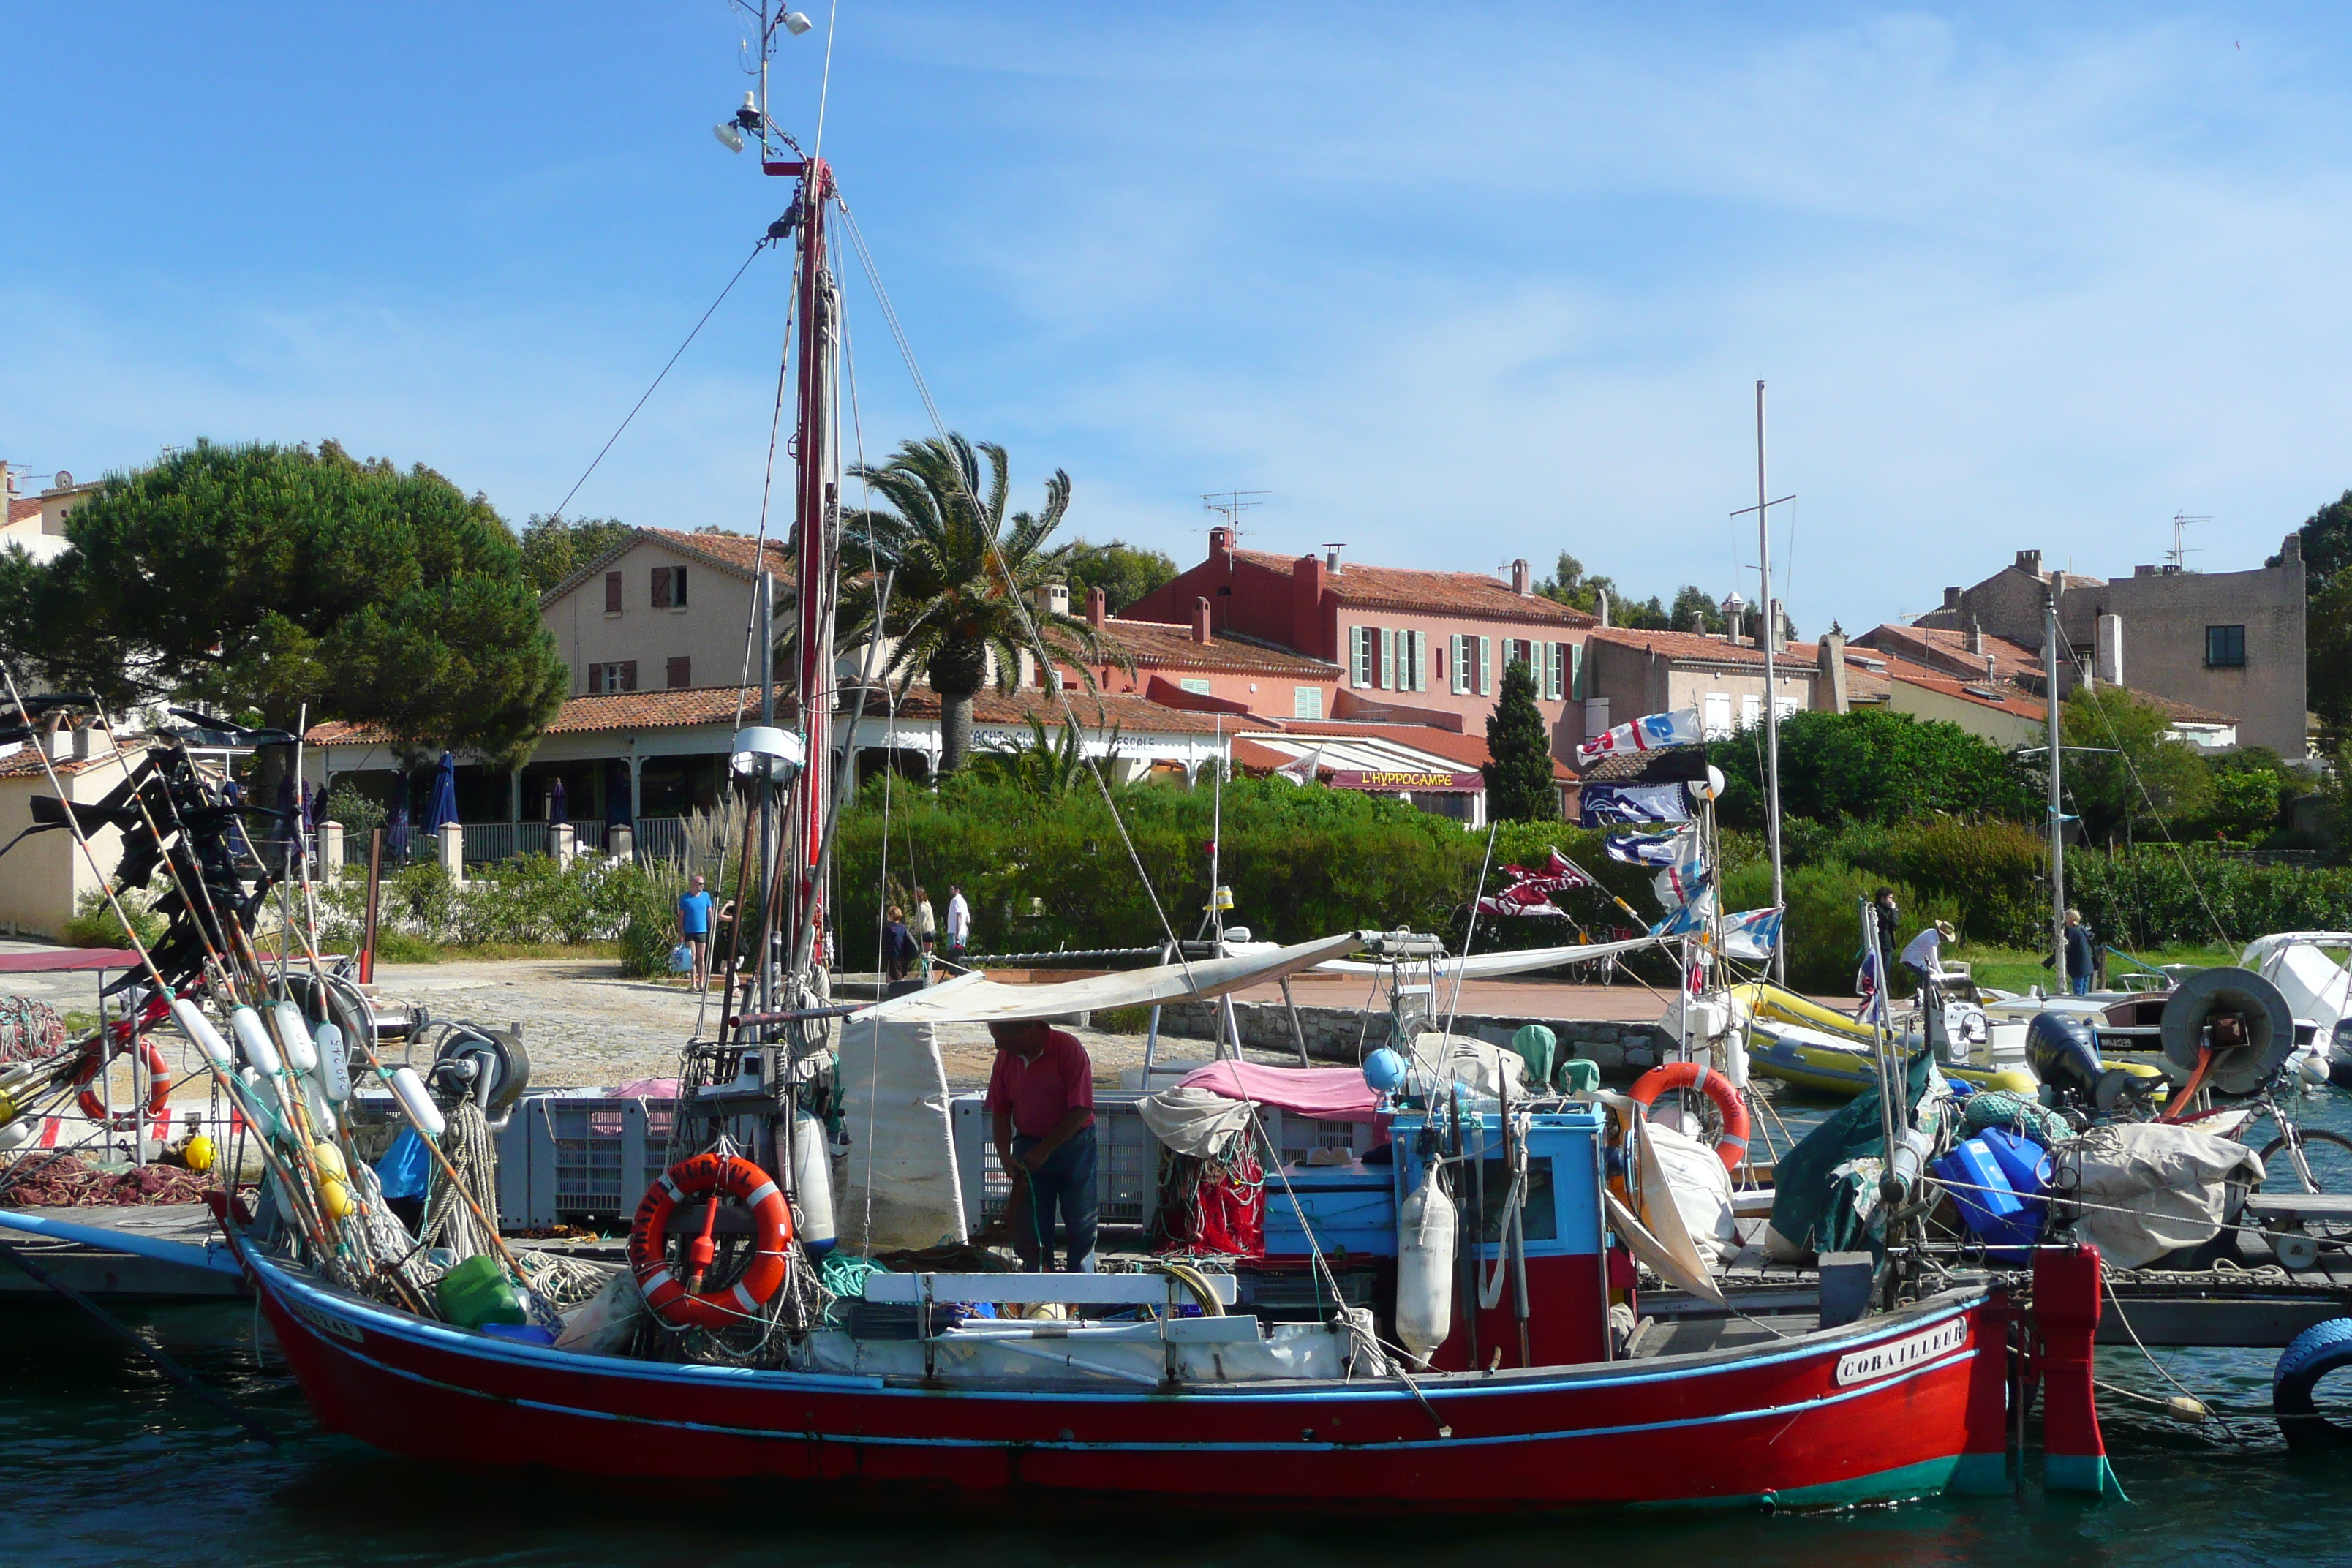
pixel 109 1463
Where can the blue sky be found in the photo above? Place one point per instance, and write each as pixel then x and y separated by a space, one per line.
pixel 1456 283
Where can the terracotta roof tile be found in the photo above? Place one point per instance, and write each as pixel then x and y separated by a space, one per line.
pixel 1693 647
pixel 23 507
pixel 1468 751
pixel 1947 649
pixel 2181 713
pixel 2002 696
pixel 736 553
pixel 1400 588
pixel 24 761
pixel 1160 645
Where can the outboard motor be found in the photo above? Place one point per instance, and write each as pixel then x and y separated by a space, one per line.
pixel 2064 1053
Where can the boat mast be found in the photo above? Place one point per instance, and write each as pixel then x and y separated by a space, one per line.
pixel 2059 986
pixel 1771 612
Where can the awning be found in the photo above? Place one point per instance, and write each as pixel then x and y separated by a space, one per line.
pixel 1487 965
pixel 60 960
pixel 1416 779
pixel 976 999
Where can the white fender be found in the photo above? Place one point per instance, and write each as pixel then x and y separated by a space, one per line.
pixel 410 1091
pixel 334 1064
pixel 294 1035
pixel 1425 1265
pixel 259 1048
pixel 811 1184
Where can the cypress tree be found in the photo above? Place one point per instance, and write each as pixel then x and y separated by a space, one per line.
pixel 1518 778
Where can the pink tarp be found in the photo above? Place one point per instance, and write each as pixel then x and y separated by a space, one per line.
pixel 59 960
pixel 1327 1094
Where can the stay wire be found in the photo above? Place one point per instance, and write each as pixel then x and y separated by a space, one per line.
pixel 1020 608
pixel 758 245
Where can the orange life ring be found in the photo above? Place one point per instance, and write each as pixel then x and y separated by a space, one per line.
pixel 158 1087
pixel 1732 1147
pixel 681 1301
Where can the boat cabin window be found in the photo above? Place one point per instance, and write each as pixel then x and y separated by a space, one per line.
pixel 1542 1216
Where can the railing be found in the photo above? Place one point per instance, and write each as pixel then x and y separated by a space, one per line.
pixel 661 838
pixel 491 841
pixel 487 842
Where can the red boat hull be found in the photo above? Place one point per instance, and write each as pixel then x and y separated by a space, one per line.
pixel 1902 1406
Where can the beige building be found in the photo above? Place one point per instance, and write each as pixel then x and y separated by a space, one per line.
pixel 2217 642
pixel 1627 673
pixel 43 877
pixel 37 523
pixel 662 611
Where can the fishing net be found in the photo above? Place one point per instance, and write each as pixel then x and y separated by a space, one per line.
pixel 29 1029
pixel 2028 1118
pixel 69 1181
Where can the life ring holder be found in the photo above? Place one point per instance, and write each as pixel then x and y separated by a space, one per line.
pixel 159 1084
pixel 682 1302
pixel 1732 1147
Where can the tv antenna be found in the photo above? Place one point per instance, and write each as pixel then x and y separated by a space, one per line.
pixel 1231 504
pixel 2178 554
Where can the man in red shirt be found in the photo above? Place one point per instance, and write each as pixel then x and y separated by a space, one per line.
pixel 1040 1107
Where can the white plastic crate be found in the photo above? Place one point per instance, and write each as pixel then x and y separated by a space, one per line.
pixel 1127 1161
pixel 565 1160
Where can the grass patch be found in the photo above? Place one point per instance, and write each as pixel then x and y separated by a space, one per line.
pixel 1122 1020
pixel 2016 969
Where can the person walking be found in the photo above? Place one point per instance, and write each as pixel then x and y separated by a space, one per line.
pixel 2082 954
pixel 1922 960
pixel 959 923
pixel 927 929
pixel 694 928
pixel 899 952
pixel 1041 1108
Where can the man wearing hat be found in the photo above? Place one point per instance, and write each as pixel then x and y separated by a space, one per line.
pixel 1923 958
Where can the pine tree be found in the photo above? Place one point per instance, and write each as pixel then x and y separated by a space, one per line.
pixel 1518 779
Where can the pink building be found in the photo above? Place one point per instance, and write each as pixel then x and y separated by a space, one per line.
pixel 1188 666
pixel 1424 647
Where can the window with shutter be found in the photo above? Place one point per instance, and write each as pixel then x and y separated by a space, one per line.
pixel 612 593
pixel 628 675
pixel 1388 660
pixel 1556 686
pixel 1357 674
pixel 660 600
pixel 1485 666
pixel 681 671
pixel 678 587
pixel 1457 663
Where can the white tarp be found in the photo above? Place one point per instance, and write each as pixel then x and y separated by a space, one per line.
pixel 1701 1188
pixel 900 1189
pixel 1485 964
pixel 2155 1187
pixel 976 999
pixel 1196 1122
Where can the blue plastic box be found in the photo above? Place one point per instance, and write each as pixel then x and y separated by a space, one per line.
pixel 1989 1203
pixel 1351 1207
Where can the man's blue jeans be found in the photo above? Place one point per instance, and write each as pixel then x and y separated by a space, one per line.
pixel 2079 983
pixel 1064 1182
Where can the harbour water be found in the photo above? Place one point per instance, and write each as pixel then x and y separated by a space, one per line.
pixel 111 1464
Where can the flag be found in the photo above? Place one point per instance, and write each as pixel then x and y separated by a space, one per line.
pixel 1645 734
pixel 1524 901
pixel 1564 873
pixel 1609 806
pixel 1752 935
pixel 1645 848
pixel 1301 772
pixel 1692 919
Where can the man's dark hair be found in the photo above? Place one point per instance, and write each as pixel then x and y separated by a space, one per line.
pixel 1885 893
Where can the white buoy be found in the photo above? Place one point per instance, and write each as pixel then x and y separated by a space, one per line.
pixel 254 1035
pixel 334 1064
pixel 199 1028
pixel 294 1035
pixel 1425 1264
pixel 410 1091
pixel 813 1184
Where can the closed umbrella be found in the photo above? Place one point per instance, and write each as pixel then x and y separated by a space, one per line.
pixel 558 809
pixel 441 805
pixel 395 832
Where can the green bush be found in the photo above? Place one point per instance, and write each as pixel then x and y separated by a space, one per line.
pixel 1823 927
pixel 648 898
pixel 94 924
pixel 359 816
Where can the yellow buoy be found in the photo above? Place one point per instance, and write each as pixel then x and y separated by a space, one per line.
pixel 331 1161
pixel 198 1153
pixel 336 1196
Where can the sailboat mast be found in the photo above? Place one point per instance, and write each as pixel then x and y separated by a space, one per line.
pixel 1771 612
pixel 2057 810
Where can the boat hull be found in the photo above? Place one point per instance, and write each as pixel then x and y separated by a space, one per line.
pixel 1899 1407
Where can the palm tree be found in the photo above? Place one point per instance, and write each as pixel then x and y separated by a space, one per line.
pixel 963 574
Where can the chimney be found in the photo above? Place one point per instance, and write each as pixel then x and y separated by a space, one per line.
pixel 2144 571
pixel 1698 622
pixel 1201 620
pixel 2107 659
pixel 1520 579
pixel 2030 562
pixel 1975 634
pixel 1221 546
pixel 1829 687
pixel 2293 549
pixel 1601 608
pixel 59 742
pixel 1951 598
pixel 1732 626
pixel 89 741
pixel 1053 598
pixel 1098 607
pixel 1331 557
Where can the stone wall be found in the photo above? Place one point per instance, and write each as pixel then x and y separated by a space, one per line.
pixel 1336 1035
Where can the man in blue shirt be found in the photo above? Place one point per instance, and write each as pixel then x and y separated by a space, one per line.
pixel 694 928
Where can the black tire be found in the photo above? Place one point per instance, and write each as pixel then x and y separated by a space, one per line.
pixel 2316 1352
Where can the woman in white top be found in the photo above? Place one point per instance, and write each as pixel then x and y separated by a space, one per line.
pixel 1924 956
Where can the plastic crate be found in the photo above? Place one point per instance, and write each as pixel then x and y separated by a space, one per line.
pixel 1127 1161
pixel 565 1161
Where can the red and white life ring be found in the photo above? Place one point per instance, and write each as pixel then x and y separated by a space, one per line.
pixel 158 1087
pixel 683 1301
pixel 1732 1147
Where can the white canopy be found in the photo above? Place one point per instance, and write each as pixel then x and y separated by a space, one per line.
pixel 1485 964
pixel 976 999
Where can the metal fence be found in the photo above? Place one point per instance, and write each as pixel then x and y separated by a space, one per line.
pixel 661 838
pixel 488 842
